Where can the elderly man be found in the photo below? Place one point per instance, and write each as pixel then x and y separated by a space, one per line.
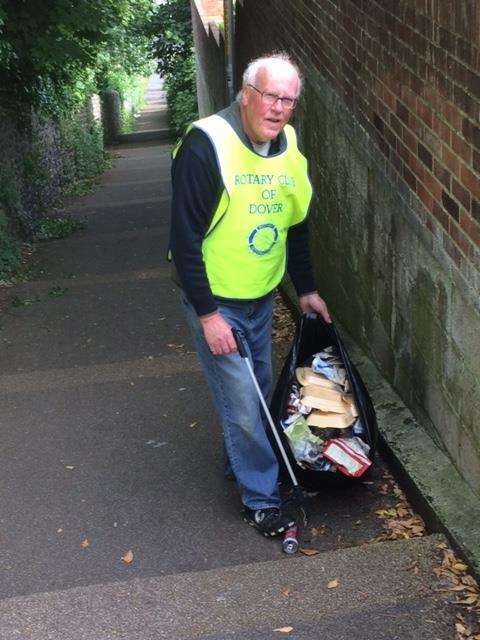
pixel 240 199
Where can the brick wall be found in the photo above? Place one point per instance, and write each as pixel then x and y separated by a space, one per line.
pixel 209 55
pixel 390 121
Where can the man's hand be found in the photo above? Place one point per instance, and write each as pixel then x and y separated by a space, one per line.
pixel 218 334
pixel 313 303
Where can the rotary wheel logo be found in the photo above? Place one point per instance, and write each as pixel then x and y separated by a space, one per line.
pixel 263 238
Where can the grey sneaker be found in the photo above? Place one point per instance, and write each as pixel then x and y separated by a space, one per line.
pixel 270 521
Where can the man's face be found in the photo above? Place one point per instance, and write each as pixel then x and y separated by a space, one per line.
pixel 263 122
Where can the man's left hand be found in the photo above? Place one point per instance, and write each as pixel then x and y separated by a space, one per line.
pixel 313 303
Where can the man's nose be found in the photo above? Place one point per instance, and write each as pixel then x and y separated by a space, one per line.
pixel 278 106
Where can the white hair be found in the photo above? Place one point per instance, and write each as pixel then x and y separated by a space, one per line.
pixel 272 61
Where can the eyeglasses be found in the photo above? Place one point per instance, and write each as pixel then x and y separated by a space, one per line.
pixel 272 98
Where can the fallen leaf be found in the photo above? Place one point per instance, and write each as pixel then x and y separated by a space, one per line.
pixel 128 557
pixel 85 543
pixel 333 584
pixel 469 600
pixel 459 566
pixel 284 630
pixel 286 591
pixel 308 552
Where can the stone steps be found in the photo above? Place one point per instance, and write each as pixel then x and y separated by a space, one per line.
pixel 378 596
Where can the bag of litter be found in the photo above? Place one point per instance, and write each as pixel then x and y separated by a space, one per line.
pixel 321 390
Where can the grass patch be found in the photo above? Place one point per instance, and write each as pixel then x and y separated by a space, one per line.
pixel 56 228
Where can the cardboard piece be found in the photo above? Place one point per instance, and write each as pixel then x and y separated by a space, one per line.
pixel 328 420
pixel 307 377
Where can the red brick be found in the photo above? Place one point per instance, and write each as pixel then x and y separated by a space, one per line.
pixel 409 139
pixel 442 216
pixel 397 125
pixel 433 142
pixel 476 210
pixel 417 167
pixel 470 181
pixel 425 156
pixel 433 185
pixel 389 99
pixel 424 113
pixel 461 194
pixel 410 178
pixel 471 132
pixel 450 205
pixel 442 174
pixel 453 116
pixel 451 161
pixel 425 197
pixel 471 228
pixel 402 112
pixel 443 130
pixel 417 126
pixel 409 98
pixel 462 148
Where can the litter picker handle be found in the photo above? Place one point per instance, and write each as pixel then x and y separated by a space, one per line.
pixel 243 354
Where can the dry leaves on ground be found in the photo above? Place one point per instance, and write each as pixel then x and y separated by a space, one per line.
pixel 463 629
pixel 464 592
pixel 128 557
pixel 457 581
pixel 333 584
pixel 309 552
pixel 179 348
pixel 318 531
pixel 85 543
pixel 400 522
pixel 283 328
pixel 284 630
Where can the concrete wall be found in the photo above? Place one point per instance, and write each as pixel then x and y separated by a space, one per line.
pixel 207 19
pixel 389 121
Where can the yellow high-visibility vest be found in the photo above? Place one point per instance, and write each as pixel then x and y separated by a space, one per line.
pixel 244 248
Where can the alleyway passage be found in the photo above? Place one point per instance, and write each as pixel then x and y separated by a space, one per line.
pixel 109 444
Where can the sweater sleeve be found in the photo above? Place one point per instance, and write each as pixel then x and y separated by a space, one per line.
pixel 196 190
pixel 299 264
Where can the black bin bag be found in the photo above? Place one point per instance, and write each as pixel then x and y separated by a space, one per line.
pixel 313 334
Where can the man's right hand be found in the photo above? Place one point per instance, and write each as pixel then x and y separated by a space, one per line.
pixel 218 334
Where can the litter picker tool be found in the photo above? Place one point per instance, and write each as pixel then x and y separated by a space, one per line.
pixel 297 494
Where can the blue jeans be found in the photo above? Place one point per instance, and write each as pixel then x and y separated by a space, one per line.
pixel 249 452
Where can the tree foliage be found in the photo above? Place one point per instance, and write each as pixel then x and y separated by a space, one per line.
pixel 54 52
pixel 171 33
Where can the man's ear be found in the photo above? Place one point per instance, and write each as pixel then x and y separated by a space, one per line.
pixel 244 96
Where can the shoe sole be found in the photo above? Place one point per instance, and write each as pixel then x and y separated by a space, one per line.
pixel 274 533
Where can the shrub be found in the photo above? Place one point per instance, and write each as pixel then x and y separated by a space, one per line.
pixel 9 250
pixel 173 46
pixel 182 96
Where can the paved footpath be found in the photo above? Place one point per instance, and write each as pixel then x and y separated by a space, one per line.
pixel 109 444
